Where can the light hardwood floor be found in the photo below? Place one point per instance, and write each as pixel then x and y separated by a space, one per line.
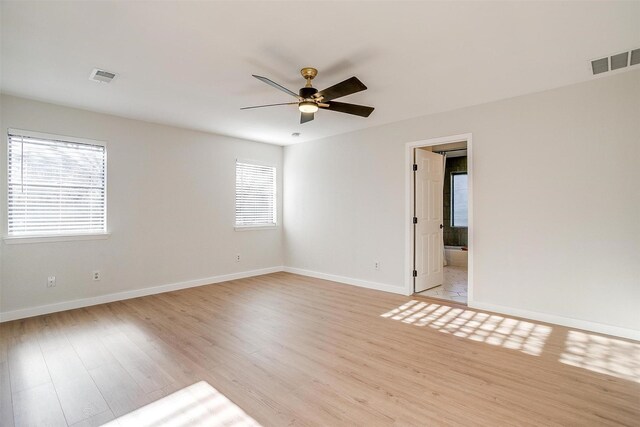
pixel 292 350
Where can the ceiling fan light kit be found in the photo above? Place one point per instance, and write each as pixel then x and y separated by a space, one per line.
pixel 310 100
pixel 308 107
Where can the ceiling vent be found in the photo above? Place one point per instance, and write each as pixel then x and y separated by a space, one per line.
pixel 635 57
pixel 615 62
pixel 102 76
pixel 600 66
pixel 619 61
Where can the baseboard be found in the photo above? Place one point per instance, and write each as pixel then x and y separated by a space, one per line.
pixel 119 296
pixel 560 320
pixel 347 280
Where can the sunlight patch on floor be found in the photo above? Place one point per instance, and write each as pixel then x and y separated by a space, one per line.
pixel 196 405
pixel 604 355
pixel 492 329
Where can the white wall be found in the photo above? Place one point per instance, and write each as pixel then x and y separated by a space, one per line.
pixel 3 177
pixel 557 206
pixel 556 202
pixel 171 201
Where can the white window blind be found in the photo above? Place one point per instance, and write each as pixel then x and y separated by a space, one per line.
pixel 255 195
pixel 55 187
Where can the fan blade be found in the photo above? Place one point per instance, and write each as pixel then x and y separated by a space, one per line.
pixel 341 89
pixel 343 107
pixel 268 105
pixel 276 85
pixel 306 117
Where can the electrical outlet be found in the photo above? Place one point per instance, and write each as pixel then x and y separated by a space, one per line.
pixel 51 281
pixel 238 258
pixel 376 265
pixel 96 275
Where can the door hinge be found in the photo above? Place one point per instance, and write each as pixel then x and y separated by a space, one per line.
pixel 415 219
pixel 415 273
pixel 415 167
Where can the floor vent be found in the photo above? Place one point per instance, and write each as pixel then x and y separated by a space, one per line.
pixel 102 76
pixel 615 62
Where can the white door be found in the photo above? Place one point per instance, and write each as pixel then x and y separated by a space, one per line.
pixel 428 208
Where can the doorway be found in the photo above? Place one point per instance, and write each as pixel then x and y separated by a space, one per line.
pixel 439 233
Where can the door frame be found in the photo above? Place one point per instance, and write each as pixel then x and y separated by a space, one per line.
pixel 409 203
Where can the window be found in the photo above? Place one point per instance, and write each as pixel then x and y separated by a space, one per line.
pixel 56 185
pixel 255 195
pixel 459 199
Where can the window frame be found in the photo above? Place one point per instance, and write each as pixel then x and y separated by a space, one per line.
pixel 269 226
pixel 61 237
pixel 452 190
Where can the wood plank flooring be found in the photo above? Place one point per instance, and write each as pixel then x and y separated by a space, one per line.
pixel 292 350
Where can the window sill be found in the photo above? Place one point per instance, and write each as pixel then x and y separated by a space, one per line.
pixel 255 227
pixel 55 238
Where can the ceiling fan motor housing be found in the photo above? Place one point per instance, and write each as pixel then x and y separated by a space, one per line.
pixel 307 92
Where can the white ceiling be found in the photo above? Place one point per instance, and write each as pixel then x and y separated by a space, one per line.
pixel 190 63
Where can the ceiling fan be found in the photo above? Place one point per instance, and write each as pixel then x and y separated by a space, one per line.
pixel 310 100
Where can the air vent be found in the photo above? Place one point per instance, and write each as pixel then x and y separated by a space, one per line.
pixel 635 57
pixel 615 62
pixel 102 76
pixel 600 66
pixel 619 61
